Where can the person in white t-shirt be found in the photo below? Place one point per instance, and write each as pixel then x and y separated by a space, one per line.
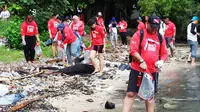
pixel 113 32
pixel 5 14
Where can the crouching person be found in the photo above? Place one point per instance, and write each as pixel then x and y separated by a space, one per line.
pixel 72 44
pixel 147 55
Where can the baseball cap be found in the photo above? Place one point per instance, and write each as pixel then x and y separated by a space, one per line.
pixel 195 18
pixel 154 21
pixel 139 18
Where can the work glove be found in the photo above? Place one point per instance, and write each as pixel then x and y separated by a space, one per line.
pixel 24 42
pixel 159 63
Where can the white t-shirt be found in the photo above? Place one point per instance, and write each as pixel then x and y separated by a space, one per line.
pixel 5 14
pixel 162 28
pixel 114 29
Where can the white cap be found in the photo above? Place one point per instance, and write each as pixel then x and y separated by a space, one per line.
pixel 99 14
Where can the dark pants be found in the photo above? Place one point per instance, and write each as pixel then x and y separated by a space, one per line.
pixel 78 69
pixel 133 81
pixel 29 51
pixel 123 37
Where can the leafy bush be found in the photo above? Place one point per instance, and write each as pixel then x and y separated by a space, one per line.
pixel 4 24
pixel 13 33
pixel 44 36
pixel 87 29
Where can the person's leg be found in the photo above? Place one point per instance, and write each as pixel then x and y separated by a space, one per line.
pixel 190 54
pixel 26 50
pixel 121 35
pixel 194 52
pixel 76 48
pixel 125 40
pixel 156 76
pixel 172 47
pixel 69 55
pixel 116 39
pixel 101 58
pixel 112 39
pixel 53 50
pixel 131 91
pixel 129 101
pixel 150 105
pixel 32 48
pixel 92 57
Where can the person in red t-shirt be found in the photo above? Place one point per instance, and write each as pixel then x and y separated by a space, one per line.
pixel 70 43
pixel 147 56
pixel 52 27
pixel 98 44
pixel 170 34
pixel 141 25
pixel 78 26
pixel 29 33
pixel 100 20
pixel 123 29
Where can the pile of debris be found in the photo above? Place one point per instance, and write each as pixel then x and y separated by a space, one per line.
pixel 22 84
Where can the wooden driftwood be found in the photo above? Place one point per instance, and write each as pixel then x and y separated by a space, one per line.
pixel 26 103
pixel 32 75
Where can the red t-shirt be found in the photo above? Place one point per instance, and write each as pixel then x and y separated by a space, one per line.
pixel 69 36
pixel 29 29
pixel 141 26
pixel 100 21
pixel 150 50
pixel 98 35
pixel 170 29
pixel 52 26
pixel 79 27
pixel 123 26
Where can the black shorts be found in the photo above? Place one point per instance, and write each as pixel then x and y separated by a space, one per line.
pixel 133 81
pixel 168 40
pixel 98 48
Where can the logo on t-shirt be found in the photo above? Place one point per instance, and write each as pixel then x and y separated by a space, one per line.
pixel 151 47
pixel 30 29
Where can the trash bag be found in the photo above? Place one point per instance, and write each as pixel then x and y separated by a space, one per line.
pixel 4 89
pixel 48 42
pixel 123 67
pixel 146 90
pixel 38 50
pixel 109 105
pixel 12 99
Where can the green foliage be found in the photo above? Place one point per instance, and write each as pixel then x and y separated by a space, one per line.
pixel 87 29
pixel 179 11
pixel 13 33
pixel 4 24
pixel 44 36
pixel 10 55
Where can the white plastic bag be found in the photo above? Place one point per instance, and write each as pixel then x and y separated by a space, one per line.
pixel 38 50
pixel 146 90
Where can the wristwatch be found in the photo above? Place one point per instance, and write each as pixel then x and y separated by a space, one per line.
pixel 141 61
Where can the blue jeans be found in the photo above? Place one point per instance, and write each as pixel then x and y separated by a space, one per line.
pixel 73 49
pixel 193 48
